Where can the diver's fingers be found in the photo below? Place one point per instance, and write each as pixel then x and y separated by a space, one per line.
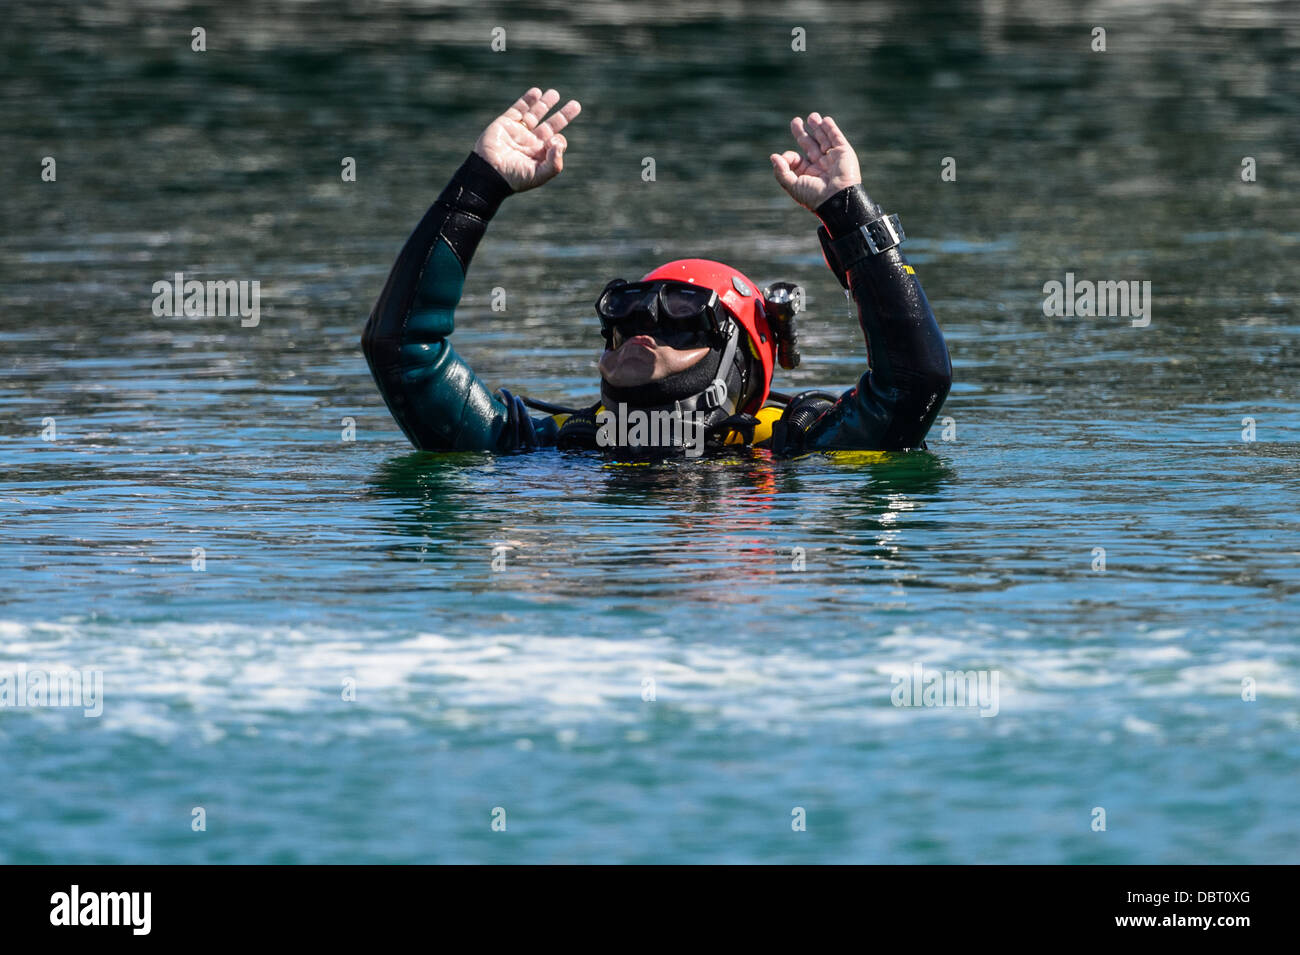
pixel 805 141
pixel 794 161
pixel 817 127
pixel 781 169
pixel 519 109
pixel 540 108
pixel 836 137
pixel 553 165
pixel 559 120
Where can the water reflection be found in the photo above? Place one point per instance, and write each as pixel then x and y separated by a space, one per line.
pixel 719 529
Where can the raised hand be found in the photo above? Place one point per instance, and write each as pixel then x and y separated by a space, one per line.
pixel 827 165
pixel 525 150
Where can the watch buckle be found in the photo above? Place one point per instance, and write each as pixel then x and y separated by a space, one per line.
pixel 893 230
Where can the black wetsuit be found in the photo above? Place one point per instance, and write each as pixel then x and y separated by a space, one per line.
pixel 442 405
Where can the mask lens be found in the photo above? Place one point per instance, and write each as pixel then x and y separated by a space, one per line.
pixel 620 302
pixel 682 302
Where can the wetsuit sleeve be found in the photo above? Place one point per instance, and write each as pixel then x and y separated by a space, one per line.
pixel 433 394
pixel 909 371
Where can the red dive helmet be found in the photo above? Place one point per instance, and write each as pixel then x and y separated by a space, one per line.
pixel 743 301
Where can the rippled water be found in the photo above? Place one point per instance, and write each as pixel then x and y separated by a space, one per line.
pixel 522 688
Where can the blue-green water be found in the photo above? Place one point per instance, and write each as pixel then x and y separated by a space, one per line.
pixel 359 563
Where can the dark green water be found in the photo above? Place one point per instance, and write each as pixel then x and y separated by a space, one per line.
pixel 522 688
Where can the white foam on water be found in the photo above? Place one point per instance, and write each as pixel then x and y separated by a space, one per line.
pixel 213 680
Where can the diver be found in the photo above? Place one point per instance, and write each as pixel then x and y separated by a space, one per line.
pixel 693 338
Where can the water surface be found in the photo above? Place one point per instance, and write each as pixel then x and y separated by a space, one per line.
pixel 328 561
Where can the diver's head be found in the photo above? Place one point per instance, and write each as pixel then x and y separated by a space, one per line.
pixel 692 335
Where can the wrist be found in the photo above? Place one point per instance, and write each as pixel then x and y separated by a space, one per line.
pixel 476 188
pixel 847 210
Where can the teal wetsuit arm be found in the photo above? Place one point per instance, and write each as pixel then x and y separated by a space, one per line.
pixel 909 371
pixel 433 394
